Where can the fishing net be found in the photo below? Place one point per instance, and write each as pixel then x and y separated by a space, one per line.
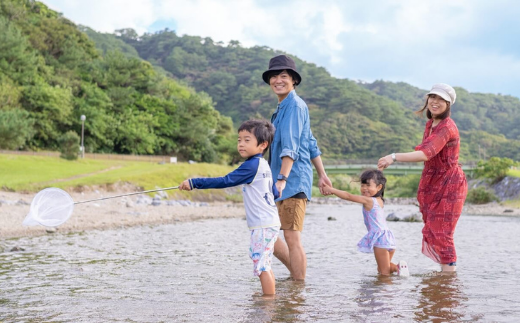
pixel 53 206
pixel 50 207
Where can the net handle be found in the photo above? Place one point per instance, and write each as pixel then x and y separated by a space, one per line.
pixel 135 193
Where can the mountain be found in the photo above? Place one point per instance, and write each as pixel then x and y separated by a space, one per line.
pixel 160 93
pixel 349 119
pixel 51 73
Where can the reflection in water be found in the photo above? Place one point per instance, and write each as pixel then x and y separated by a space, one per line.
pixel 198 272
pixel 288 305
pixel 374 296
pixel 441 298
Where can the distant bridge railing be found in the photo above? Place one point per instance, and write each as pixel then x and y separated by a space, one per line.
pixel 394 169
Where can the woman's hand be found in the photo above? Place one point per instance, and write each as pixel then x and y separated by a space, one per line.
pixel 185 186
pixel 384 162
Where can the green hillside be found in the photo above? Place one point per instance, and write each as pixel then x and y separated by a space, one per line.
pixel 350 120
pixel 51 73
pixel 162 93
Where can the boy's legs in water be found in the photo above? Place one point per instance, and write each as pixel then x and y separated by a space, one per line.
pixel 268 282
pixel 383 260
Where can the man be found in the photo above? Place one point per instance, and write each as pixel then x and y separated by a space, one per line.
pixel 293 150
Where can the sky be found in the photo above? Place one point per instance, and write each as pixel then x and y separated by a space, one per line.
pixel 474 44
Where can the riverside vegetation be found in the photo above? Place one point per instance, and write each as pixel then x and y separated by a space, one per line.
pixel 166 94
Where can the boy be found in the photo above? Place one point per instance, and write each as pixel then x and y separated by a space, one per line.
pixel 254 137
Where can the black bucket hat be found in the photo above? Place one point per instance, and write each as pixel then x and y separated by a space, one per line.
pixel 280 63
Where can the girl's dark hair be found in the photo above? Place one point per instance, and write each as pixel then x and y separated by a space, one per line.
pixel 378 178
pixel 263 131
pixel 278 72
pixel 443 116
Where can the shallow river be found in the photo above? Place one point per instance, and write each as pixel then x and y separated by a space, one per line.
pixel 200 271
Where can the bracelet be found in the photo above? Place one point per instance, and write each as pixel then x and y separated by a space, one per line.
pixel 393 157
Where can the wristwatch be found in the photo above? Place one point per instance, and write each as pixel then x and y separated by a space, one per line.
pixel 281 177
pixel 393 157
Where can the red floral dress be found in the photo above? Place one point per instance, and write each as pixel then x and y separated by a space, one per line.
pixel 442 190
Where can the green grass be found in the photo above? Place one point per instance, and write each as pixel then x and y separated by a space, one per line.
pixel 33 173
pixel 514 173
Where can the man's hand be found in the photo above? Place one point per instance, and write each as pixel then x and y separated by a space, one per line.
pixel 324 181
pixel 327 190
pixel 280 185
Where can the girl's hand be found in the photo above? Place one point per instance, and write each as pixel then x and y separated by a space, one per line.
pixel 384 162
pixel 327 190
pixel 185 186
pixel 324 181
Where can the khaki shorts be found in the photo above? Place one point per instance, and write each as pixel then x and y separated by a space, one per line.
pixel 292 213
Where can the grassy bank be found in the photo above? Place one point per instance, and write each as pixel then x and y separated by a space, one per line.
pixel 33 173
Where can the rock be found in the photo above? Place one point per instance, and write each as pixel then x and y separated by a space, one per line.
pixel 156 201
pixel 392 217
pixel 129 203
pixel 51 230
pixel 16 248
pixel 143 199
pixel 417 217
pixel 22 202
pixel 508 211
pixel 331 218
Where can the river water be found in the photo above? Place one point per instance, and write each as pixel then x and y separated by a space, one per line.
pixel 200 271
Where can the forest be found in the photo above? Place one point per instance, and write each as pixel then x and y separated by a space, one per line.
pixel 161 93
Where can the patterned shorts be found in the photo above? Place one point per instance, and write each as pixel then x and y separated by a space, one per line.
pixel 261 248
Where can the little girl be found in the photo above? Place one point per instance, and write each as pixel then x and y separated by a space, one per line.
pixel 379 239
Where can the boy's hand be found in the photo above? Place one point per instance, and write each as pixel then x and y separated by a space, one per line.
pixel 280 185
pixel 185 186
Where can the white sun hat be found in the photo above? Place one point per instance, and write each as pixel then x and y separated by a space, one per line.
pixel 444 91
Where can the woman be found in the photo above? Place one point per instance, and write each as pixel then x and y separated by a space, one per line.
pixel 443 187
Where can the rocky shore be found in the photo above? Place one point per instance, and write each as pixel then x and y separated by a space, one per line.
pixel 144 210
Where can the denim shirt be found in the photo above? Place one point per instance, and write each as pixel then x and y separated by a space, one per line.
pixel 293 138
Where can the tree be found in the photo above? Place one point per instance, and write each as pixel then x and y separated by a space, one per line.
pixel 16 127
pixel 69 145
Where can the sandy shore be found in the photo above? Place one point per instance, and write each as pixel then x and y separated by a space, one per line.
pixel 137 210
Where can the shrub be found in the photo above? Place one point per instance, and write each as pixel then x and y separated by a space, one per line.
pixel 69 145
pixel 494 169
pixel 480 195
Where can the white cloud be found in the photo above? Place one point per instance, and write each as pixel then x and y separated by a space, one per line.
pixel 472 44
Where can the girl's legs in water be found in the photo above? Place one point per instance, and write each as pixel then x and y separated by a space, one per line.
pixel 383 259
pixel 268 283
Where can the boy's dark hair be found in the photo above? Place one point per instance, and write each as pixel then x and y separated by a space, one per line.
pixel 290 72
pixel 263 131
pixel 378 178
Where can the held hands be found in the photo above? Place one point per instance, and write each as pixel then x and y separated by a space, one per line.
pixel 280 185
pixel 185 186
pixel 327 190
pixel 323 182
pixel 384 162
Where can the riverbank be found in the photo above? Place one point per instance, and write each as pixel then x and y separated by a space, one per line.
pixel 144 210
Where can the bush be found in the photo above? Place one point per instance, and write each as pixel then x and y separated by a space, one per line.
pixel 69 145
pixel 402 186
pixel 494 169
pixel 480 195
